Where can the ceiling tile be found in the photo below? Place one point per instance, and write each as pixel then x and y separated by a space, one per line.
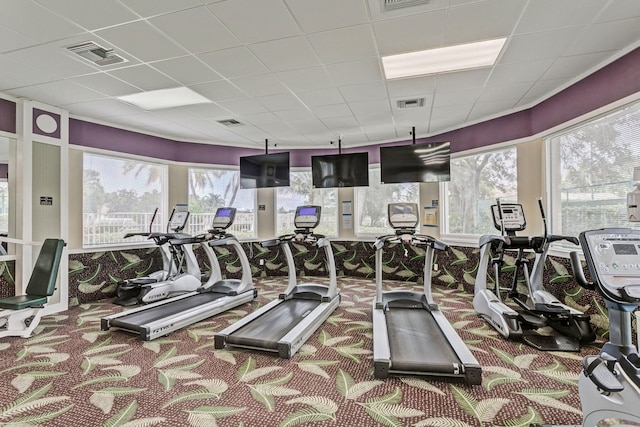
pixel 13 40
pixel 314 16
pixel 355 72
pixel 187 70
pixel 318 97
pixel 106 84
pixel 101 109
pixel 508 92
pixel 606 37
pixel 417 86
pixel 148 8
pixel 456 97
pixel 305 79
pixel 261 118
pixel 364 92
pixel 488 109
pixel 52 59
pixel 518 72
pixel 462 21
pixel 370 107
pixel 58 93
pixel 143 41
pixel 285 54
pixel 570 67
pixel 281 102
pixel 545 88
pixel 243 106
pixel 197 30
pixel 91 14
pixel 378 13
pixel 410 33
pixel 294 115
pixel 262 85
pixel 337 110
pixel 234 62
pixel 619 9
pixel 144 77
pixel 542 15
pixel 207 111
pixel 219 91
pixel 36 22
pixel 539 46
pixel 345 44
pixel 463 79
pixel 246 19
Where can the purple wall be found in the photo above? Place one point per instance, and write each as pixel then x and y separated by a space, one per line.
pixel 617 80
pixel 7 116
pixel 4 170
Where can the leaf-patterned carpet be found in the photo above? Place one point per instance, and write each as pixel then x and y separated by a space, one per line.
pixel 71 373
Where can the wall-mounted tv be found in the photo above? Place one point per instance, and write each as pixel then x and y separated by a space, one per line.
pixel 429 162
pixel 264 170
pixel 340 170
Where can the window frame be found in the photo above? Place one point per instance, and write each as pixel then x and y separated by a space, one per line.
pixel 466 239
pixel 276 205
pixel 163 209
pixel 356 208
pixel 553 168
pixel 233 169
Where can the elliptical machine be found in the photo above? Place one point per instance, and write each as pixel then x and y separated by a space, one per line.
pixel 180 272
pixel 609 383
pixel 537 308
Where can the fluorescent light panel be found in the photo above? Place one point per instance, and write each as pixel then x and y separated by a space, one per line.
pixel 164 98
pixel 443 60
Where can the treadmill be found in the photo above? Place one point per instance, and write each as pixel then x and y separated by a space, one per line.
pixel 411 336
pixel 285 324
pixel 216 296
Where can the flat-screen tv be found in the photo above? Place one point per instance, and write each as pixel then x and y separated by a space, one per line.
pixel 428 162
pixel 340 170
pixel 264 170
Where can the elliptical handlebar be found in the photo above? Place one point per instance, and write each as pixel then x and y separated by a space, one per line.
pixel 412 239
pixel 578 272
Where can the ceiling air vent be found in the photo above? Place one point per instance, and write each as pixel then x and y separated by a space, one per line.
pixel 96 54
pixel 399 4
pixel 410 103
pixel 230 122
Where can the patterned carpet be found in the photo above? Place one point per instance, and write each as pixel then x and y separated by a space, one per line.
pixel 71 373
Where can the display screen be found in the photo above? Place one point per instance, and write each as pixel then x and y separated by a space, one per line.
pixel 430 162
pixel 223 212
pixel 264 170
pixel 312 211
pixel 340 170
pixel 625 249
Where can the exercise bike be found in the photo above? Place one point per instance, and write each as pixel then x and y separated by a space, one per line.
pixel 609 383
pixel 537 308
pixel 180 272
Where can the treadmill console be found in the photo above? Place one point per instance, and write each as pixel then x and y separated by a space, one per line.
pixel 403 215
pixel 613 258
pixel 307 217
pixel 224 218
pixel 512 217
pixel 179 217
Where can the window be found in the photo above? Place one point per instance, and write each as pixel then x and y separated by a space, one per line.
pixel 119 196
pixel 210 189
pixel 371 203
pixel 591 172
pixel 476 182
pixel 4 206
pixel 300 193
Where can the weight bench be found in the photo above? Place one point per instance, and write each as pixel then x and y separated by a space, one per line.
pixel 20 314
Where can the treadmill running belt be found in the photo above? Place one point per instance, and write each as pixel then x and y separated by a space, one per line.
pixel 265 331
pixel 165 310
pixel 417 343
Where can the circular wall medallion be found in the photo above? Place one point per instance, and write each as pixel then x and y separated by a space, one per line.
pixel 46 123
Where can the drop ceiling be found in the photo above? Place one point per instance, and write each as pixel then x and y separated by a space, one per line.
pixel 302 73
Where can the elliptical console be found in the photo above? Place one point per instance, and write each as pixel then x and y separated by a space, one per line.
pixel 609 384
